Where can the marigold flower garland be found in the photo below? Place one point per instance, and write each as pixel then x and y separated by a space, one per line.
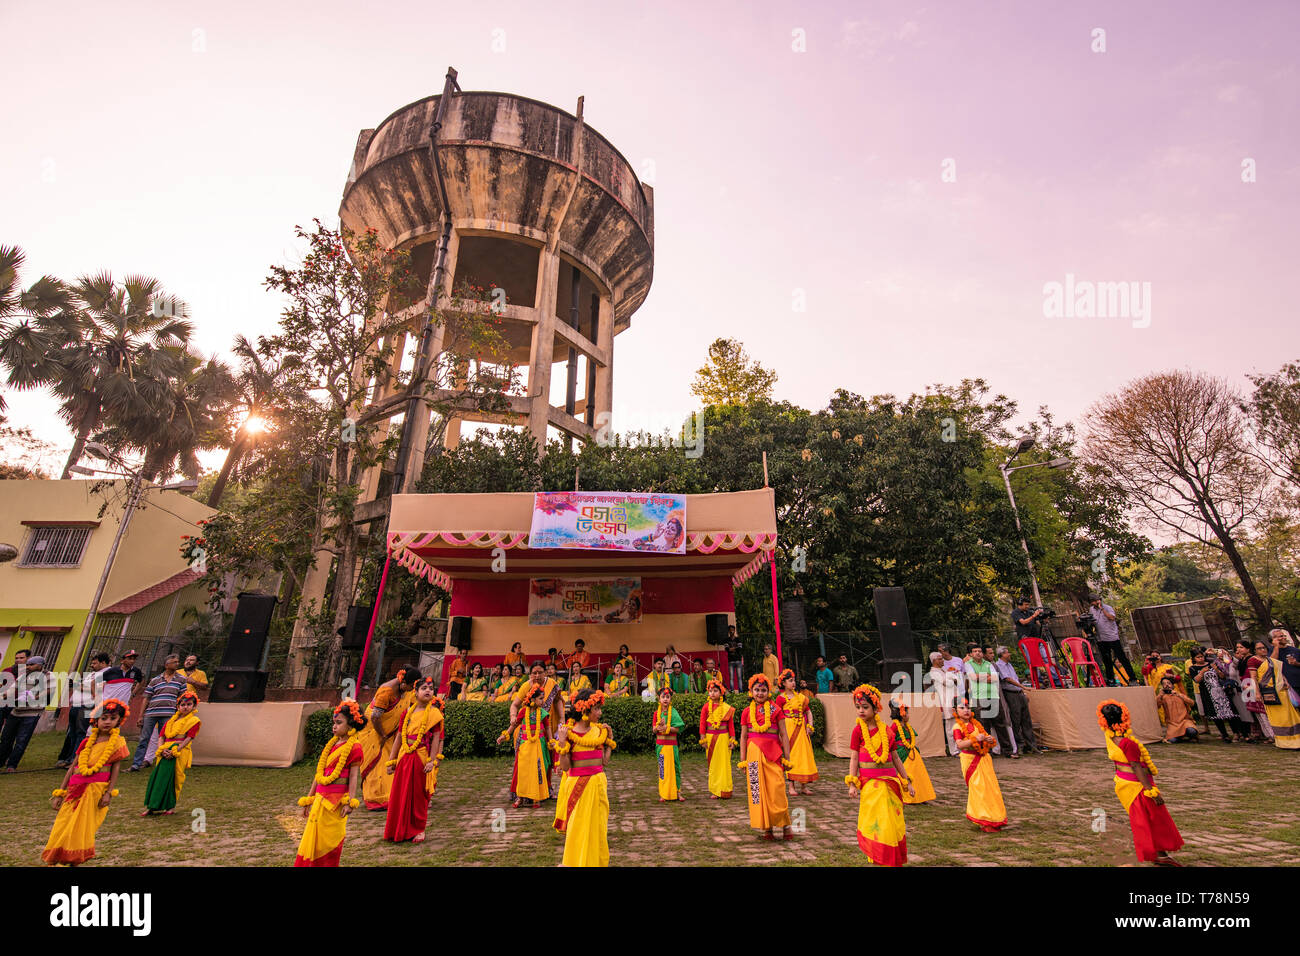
pixel 84 768
pixel 325 779
pixel 981 747
pixel 883 733
pixel 1122 730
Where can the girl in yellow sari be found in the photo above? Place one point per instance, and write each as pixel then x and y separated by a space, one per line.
pixel 799 729
pixel 174 757
pixel 582 806
pixel 477 685
pixel 88 788
pixel 766 751
pixel 332 795
pixel 910 749
pixel 383 721
pixel 667 724
pixel 718 737
pixel 875 769
pixel 577 681
pixel 1275 691
pixel 1154 833
pixel 984 806
pixel 530 779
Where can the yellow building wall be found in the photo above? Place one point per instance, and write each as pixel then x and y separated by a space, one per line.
pixel 60 597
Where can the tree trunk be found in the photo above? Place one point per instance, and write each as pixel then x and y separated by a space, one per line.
pixel 344 588
pixel 1257 602
pixel 84 428
pixel 223 477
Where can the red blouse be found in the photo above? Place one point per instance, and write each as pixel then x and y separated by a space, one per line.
pixel 769 741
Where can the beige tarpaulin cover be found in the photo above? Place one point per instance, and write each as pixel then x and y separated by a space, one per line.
pixel 1063 719
pixel 270 734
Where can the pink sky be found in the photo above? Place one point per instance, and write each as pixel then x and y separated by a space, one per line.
pixel 774 170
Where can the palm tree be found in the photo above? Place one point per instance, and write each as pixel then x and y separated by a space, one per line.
pixel 30 323
pixel 104 348
pixel 190 415
pixel 265 384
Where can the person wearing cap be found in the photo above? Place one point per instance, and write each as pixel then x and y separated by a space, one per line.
pixel 30 698
pixel 120 682
pixel 1109 646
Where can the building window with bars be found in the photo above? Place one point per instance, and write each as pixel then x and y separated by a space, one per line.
pixel 55 547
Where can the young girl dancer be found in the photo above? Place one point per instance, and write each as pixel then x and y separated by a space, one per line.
pixel 718 737
pixel 332 795
pixel 582 808
pixel 984 806
pixel 416 752
pixel 909 749
pixel 799 728
pixel 667 723
pixel 1154 833
pixel 766 752
pixel 174 756
pixel 875 769
pixel 88 788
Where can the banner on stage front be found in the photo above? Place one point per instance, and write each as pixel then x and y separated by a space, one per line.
pixel 584 601
pixel 609 520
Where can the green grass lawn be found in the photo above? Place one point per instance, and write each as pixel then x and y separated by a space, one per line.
pixel 1229 803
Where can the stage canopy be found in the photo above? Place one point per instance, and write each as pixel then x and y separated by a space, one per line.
pixel 445 538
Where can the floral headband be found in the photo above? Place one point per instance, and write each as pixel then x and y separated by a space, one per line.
pixel 902 708
pixel 868 693
pixel 714 682
pixel 786 674
pixel 353 710
pixel 111 706
pixel 1125 721
pixel 583 705
pixel 756 679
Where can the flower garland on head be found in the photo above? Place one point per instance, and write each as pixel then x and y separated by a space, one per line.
pixel 1123 729
pixel 582 706
pixel 781 678
pixel 353 709
pixel 869 693
pixel 715 683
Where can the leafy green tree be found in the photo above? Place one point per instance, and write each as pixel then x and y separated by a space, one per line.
pixel 730 377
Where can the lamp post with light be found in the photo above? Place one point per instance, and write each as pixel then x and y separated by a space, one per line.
pixel 1005 468
pixel 132 501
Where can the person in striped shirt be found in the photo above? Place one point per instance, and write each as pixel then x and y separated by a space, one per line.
pixel 159 705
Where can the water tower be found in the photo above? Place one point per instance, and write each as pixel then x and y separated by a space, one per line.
pixel 540 205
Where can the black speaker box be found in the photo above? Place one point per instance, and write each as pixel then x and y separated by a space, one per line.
pixel 896 641
pixel 357 627
pixel 242 685
pixel 459 637
pixel 794 628
pixel 715 628
pixel 248 631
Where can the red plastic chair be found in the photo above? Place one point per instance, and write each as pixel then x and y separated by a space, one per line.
pixel 1037 655
pixel 1081 657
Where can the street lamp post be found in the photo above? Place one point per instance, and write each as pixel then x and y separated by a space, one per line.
pixel 1005 468
pixel 132 501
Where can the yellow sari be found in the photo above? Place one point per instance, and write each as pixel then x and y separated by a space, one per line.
pixel 882 831
pixel 531 780
pixel 617 687
pixel 322 839
pixel 803 768
pixel 508 688
pixel 1283 716
pixel 717 734
pixel 914 766
pixel 376 741
pixel 476 689
pixel 984 806
pixel 582 805
pixel 764 778
pixel 72 838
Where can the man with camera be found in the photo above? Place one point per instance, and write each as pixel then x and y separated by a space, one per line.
pixel 1108 643
pixel 1027 622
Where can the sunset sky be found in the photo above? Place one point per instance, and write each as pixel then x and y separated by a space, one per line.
pixel 187 143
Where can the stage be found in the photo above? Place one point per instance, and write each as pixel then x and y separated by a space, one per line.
pixel 1064 719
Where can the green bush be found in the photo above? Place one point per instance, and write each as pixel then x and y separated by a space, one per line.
pixel 320 728
pixel 472 727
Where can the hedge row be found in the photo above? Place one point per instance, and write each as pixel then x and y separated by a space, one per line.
pixel 473 728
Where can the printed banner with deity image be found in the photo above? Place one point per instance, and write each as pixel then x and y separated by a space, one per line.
pixel 609 520
pixel 584 601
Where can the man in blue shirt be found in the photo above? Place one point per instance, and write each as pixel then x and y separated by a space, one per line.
pixel 824 676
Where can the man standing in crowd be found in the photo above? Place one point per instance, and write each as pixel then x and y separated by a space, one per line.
pixel 579 655
pixel 30 697
pixel 771 666
pixel 159 705
pixel 193 676
pixel 985 701
pixel 9 688
pixel 1017 703
pixel 1109 645
pixel 846 676
pixel 735 659
pixel 655 681
pixel 86 693
pixel 824 675
pixel 943 685
pixel 120 682
pixel 955 666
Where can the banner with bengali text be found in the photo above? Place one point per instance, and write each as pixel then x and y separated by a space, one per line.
pixel 609 520
pixel 584 601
